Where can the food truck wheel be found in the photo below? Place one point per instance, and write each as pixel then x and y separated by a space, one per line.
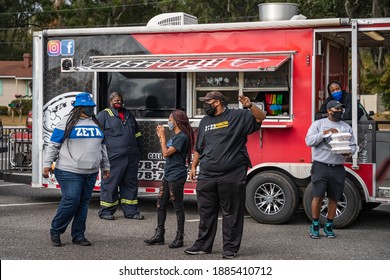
pixel 348 208
pixel 271 197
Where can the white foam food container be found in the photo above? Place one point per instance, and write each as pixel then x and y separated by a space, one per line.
pixel 341 136
pixel 339 144
pixel 342 150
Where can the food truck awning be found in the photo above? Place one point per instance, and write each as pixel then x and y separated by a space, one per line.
pixel 187 63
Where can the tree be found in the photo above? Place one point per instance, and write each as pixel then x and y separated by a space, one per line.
pixel 17 21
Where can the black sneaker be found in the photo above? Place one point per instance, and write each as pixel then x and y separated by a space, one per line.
pixel 195 250
pixel 82 242
pixel 228 255
pixel 107 217
pixel 55 240
pixel 135 217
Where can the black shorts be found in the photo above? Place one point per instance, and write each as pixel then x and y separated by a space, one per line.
pixel 328 180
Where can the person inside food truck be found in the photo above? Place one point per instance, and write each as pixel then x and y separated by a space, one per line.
pixel 336 92
pixel 153 108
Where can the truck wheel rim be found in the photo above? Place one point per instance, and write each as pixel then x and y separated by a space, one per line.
pixel 269 198
pixel 341 206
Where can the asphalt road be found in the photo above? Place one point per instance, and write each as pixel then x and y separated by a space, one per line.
pixel 26 214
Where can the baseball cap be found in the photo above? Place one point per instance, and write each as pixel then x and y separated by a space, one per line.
pixel 213 95
pixel 84 99
pixel 334 104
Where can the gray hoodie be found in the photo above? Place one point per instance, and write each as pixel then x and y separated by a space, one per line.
pixel 83 152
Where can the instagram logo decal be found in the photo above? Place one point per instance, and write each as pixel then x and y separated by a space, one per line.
pixel 54 48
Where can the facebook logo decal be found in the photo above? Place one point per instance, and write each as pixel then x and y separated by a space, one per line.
pixel 67 47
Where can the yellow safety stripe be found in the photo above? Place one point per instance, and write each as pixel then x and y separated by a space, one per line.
pixel 109 112
pixel 127 201
pixel 138 134
pixel 109 204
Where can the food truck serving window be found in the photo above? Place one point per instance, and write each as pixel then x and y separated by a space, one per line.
pixel 269 89
pixel 147 94
pixel 157 82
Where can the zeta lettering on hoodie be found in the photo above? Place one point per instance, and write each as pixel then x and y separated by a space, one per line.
pixel 86 132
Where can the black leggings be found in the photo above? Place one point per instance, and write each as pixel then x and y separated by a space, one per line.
pixel 175 191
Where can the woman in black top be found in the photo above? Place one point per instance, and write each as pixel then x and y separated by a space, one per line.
pixel 177 152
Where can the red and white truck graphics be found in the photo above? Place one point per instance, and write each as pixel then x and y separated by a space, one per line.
pixel 283 66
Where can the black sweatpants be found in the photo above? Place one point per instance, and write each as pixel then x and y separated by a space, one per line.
pixel 227 193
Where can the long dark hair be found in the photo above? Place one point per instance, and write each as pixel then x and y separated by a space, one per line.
pixel 73 119
pixel 183 123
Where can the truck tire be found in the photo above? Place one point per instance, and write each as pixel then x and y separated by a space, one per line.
pixel 271 197
pixel 348 208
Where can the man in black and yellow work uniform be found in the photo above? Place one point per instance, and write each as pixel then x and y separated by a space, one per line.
pixel 124 147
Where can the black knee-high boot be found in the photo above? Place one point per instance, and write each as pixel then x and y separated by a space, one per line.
pixel 157 239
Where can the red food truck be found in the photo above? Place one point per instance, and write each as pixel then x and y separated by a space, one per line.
pixel 284 66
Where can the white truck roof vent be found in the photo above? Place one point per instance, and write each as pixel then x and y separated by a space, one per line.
pixel 172 19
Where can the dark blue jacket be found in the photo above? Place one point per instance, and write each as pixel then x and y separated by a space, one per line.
pixel 122 138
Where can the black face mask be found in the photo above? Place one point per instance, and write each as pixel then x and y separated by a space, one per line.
pixel 209 110
pixel 89 111
pixel 337 115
